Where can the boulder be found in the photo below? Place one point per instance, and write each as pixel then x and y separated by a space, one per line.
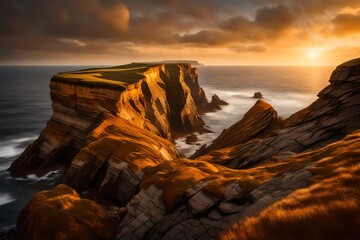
pixel 258 95
pixel 61 214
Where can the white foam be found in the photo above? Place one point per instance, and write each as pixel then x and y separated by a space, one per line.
pixel 11 148
pixel 6 198
pixel 24 139
pixel 32 177
pixel 5 166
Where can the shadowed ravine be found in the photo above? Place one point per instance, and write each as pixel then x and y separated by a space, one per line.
pixel 112 129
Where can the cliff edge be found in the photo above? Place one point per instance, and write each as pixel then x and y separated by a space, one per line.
pixel 162 99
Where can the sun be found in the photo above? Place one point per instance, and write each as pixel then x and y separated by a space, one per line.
pixel 313 53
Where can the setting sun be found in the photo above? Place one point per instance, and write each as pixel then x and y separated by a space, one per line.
pixel 314 53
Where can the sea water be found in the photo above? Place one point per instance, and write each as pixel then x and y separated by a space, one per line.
pixel 25 107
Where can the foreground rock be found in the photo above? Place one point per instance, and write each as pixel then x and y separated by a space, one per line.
pixel 329 209
pixel 159 98
pixel 258 122
pixel 112 163
pixel 62 214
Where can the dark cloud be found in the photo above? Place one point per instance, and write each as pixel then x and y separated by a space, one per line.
pixel 345 24
pixel 65 18
pixel 108 26
pixel 275 19
pixel 269 24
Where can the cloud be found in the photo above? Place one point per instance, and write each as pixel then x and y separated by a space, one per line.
pixel 107 26
pixel 248 48
pixel 347 23
pixel 274 19
pixel 66 18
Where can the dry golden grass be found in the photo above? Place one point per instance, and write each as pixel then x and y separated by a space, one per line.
pixel 329 209
pixel 176 177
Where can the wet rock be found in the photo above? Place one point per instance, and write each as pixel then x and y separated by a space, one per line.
pixel 258 95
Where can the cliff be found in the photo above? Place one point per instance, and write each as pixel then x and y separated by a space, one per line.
pixel 270 174
pixel 258 122
pixel 330 118
pixel 152 97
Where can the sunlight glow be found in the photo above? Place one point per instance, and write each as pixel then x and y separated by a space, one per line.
pixel 313 53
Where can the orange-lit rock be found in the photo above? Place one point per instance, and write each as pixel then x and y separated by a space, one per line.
pixel 61 214
pixel 258 122
pixel 333 115
pixel 153 97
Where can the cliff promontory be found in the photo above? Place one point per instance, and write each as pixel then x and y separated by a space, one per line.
pixel 265 176
pixel 161 99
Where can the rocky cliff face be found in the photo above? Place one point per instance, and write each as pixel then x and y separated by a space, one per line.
pixel 258 122
pixel 163 196
pixel 327 120
pixel 155 98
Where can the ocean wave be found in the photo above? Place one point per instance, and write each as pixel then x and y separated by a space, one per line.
pixel 6 198
pixel 47 177
pixel 12 147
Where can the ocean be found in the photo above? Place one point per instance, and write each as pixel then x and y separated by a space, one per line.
pixel 25 107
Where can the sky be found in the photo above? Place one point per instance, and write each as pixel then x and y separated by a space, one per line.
pixel 214 32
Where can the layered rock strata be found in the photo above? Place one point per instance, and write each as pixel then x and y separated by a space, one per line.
pixel 258 122
pixel 166 197
pixel 333 115
pixel 152 97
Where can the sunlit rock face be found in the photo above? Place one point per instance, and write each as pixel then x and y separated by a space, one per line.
pixel 198 199
pixel 155 98
pixel 332 200
pixel 257 162
pixel 258 122
pixel 333 115
pixel 61 214
pixel 112 163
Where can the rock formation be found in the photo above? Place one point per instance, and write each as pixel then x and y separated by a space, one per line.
pixel 328 209
pixel 62 214
pixel 258 95
pixel 258 122
pixel 330 118
pixel 257 162
pixel 155 97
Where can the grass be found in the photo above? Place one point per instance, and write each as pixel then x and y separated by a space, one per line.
pixel 329 209
pixel 118 77
pixel 176 177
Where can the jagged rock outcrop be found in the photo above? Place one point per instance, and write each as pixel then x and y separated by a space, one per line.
pixel 194 200
pixel 113 162
pixel 258 122
pixel 61 214
pixel 333 115
pixel 153 97
pixel 332 200
pixel 163 196
pixel 198 94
